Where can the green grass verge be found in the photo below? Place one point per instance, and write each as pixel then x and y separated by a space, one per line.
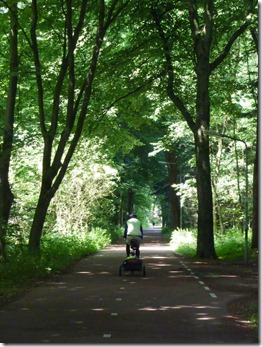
pixel 229 246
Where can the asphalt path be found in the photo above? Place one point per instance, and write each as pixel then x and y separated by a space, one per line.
pixel 93 304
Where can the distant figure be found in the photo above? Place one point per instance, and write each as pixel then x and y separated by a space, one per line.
pixel 133 230
pixel 153 224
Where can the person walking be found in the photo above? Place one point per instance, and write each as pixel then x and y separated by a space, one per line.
pixel 133 231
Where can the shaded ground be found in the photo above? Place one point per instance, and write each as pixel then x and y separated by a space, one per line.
pixel 92 304
pixel 232 276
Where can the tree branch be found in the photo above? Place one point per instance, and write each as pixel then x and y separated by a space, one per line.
pixel 228 46
pixel 38 68
pixel 170 73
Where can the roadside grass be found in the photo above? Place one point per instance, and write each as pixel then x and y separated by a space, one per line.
pixel 22 271
pixel 253 314
pixel 229 246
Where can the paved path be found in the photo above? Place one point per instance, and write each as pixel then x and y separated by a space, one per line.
pixel 93 304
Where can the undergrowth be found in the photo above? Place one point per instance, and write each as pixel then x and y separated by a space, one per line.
pixel 229 246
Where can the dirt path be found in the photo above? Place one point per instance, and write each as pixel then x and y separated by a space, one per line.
pixel 174 303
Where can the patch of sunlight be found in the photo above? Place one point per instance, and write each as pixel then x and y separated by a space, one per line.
pixel 98 309
pixel 206 318
pixel 154 248
pixel 148 309
pixel 156 265
pixel 163 308
pixel 181 238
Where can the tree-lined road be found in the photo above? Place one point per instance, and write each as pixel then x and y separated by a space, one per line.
pixel 93 304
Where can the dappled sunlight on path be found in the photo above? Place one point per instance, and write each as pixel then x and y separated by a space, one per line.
pixel 93 304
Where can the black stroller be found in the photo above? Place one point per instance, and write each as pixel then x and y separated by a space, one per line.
pixel 132 263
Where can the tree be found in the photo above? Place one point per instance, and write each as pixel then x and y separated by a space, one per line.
pixel 201 20
pixel 75 90
pixel 6 195
pixel 255 174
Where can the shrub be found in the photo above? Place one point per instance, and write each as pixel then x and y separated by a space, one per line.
pixel 183 241
pixel 229 246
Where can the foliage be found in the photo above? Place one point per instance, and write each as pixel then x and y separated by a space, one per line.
pixel 183 241
pixel 84 200
pixel 129 115
pixel 253 314
pixel 229 246
pixel 85 197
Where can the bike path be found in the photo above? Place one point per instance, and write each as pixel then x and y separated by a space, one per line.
pixel 93 304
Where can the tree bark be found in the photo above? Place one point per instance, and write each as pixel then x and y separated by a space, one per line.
pixel 254 242
pixel 6 196
pixel 205 238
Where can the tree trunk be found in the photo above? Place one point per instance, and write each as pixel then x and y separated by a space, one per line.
pixel 205 238
pixel 202 40
pixel 6 196
pixel 254 242
pixel 39 220
pixel 174 202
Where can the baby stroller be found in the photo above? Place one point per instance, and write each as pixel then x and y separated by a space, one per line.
pixel 132 263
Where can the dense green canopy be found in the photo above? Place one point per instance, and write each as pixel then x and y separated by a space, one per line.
pixel 109 107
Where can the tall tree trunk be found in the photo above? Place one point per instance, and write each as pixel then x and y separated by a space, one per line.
pixel 205 239
pixel 39 220
pixel 6 196
pixel 254 242
pixel 174 202
pixel 202 41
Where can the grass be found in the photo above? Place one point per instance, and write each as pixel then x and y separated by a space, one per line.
pixel 229 246
pixel 253 314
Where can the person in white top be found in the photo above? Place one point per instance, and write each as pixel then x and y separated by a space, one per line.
pixel 133 230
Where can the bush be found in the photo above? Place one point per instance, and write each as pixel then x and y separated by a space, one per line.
pixel 229 246
pixel 183 241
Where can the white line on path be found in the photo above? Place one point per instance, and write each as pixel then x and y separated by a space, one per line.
pixel 197 278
